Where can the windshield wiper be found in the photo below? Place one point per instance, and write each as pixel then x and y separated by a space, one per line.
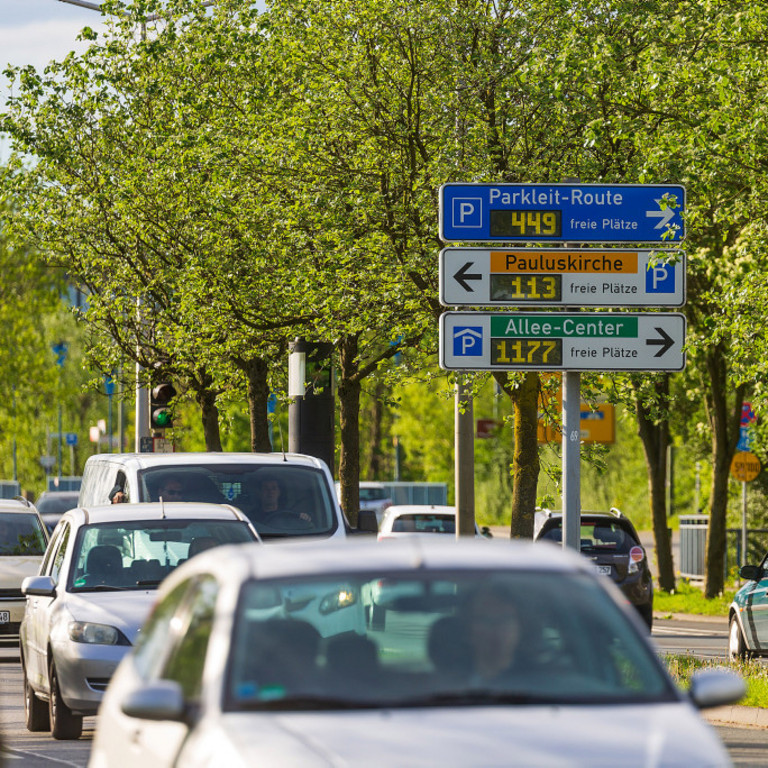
pixel 307 702
pixel 475 698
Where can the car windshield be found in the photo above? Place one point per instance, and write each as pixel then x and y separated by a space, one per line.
pixel 280 500
pixel 424 523
pixel 21 534
pixel 601 537
pixel 476 638
pixel 140 554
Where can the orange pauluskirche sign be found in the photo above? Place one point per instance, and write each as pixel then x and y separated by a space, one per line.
pixel 745 466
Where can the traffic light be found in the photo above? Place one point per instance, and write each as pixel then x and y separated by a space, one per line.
pixel 160 416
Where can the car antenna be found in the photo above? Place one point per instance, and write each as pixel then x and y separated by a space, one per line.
pixel 162 508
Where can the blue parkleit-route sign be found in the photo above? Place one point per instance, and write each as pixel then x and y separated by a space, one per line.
pixel 586 213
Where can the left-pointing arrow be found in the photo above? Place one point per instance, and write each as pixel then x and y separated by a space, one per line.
pixel 462 276
pixel 665 342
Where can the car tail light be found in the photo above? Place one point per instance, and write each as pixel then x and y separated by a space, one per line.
pixel 636 556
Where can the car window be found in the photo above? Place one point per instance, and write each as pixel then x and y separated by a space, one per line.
pixel 21 534
pixel 373 494
pixel 56 503
pixel 186 660
pixel 58 556
pixel 480 637
pixel 424 523
pixel 306 504
pixel 154 640
pixel 136 554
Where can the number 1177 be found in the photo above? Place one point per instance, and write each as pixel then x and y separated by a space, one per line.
pixel 513 352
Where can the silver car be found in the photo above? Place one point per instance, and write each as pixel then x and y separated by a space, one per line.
pixel 494 653
pixel 95 587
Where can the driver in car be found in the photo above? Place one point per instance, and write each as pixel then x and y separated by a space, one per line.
pixel 269 492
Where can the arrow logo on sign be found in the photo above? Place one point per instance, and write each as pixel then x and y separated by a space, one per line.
pixel 462 276
pixel 665 342
pixel 664 216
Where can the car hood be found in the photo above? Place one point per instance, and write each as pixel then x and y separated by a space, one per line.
pixel 650 736
pixel 125 610
pixel 15 568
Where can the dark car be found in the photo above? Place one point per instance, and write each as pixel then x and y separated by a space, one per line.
pixel 611 542
pixel 53 504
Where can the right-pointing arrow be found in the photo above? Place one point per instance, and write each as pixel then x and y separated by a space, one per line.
pixel 665 342
pixel 665 216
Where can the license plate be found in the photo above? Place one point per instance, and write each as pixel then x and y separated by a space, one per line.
pixel 603 570
pixel 5 617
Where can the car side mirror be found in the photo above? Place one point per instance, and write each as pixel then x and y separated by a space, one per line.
pixel 716 688
pixel 751 572
pixel 160 700
pixel 367 522
pixel 43 586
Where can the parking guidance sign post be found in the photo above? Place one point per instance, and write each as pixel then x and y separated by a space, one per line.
pixel 538 277
pixel 562 341
pixel 581 213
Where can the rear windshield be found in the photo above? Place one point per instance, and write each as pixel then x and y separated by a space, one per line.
pixel 21 534
pixel 424 524
pixel 373 494
pixel 602 536
pixel 280 500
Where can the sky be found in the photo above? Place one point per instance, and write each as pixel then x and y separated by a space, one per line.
pixel 39 31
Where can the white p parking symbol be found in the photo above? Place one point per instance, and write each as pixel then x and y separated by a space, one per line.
pixel 468 212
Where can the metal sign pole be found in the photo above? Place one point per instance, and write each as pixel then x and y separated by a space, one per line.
pixel 572 459
pixel 465 459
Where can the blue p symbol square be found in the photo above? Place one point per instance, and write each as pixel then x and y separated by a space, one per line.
pixel 468 341
pixel 467 212
pixel 660 278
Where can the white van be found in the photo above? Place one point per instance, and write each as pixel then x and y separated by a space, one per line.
pixel 282 494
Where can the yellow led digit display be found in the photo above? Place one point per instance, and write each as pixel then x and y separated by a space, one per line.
pixel 524 287
pixel 525 223
pixel 526 352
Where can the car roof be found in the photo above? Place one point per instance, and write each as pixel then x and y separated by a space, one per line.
pixel 17 505
pixel 178 510
pixel 147 460
pixel 420 509
pixel 355 555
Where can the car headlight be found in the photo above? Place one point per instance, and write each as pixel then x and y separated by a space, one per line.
pixel 338 600
pixel 98 634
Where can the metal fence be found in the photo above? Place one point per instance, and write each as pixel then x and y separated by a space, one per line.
pixel 693 546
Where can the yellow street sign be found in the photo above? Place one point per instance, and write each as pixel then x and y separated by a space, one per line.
pixel 745 466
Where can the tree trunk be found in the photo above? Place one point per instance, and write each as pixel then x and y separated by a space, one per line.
pixel 258 397
pixel 655 439
pixel 377 418
pixel 525 464
pixel 724 420
pixel 348 391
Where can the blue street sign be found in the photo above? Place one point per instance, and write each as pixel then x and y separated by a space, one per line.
pixel 577 213
pixel 70 438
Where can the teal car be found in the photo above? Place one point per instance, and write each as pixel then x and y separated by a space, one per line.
pixel 748 614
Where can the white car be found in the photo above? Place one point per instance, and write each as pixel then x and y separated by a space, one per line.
pixel 497 653
pixel 308 504
pixel 23 539
pixel 95 587
pixel 420 520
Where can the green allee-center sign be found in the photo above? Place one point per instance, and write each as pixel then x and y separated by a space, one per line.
pixel 564 326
